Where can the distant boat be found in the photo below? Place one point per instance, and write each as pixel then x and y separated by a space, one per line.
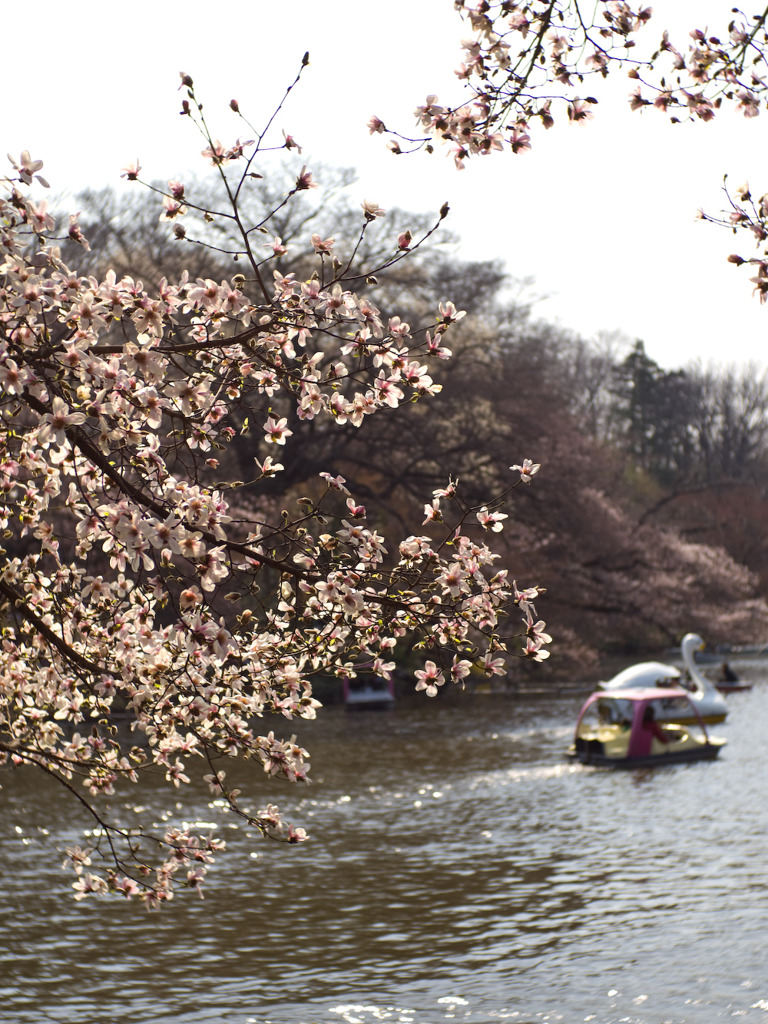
pixel 728 681
pixel 369 694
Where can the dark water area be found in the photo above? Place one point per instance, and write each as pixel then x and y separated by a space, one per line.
pixel 459 869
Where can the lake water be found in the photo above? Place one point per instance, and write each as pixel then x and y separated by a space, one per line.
pixel 459 870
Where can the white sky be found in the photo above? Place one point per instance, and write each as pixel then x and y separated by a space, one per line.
pixel 603 216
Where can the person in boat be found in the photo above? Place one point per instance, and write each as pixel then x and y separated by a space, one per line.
pixel 685 681
pixel 727 675
pixel 652 726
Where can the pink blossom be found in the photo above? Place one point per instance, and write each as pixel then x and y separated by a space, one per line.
pixel 533 650
pixel 237 149
pixel 454 580
pixel 432 512
pixel 323 246
pixel 190 598
pixel 536 632
pixel 449 314
pixel 12 377
pixel 371 209
pixel 216 153
pixel 75 232
pixel 172 208
pixel 748 103
pixel 636 100
pixel 268 467
pixel 580 110
pixel 435 348
pixel 460 669
pixel 88 883
pixel 338 483
pixel 491 520
pixel 38 217
pixel 27 168
pixel 527 470
pixel 54 425
pixel 429 678
pixel 277 247
pixel 356 511
pixel 494 666
pixel 519 140
pixel 214 568
pixel 276 431
pixel 291 143
pixel 524 598
pixel 131 171
pixel 304 180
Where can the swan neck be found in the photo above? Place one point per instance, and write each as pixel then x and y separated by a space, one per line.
pixel 701 681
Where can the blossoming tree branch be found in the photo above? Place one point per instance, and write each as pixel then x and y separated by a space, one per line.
pixel 528 65
pixel 140 578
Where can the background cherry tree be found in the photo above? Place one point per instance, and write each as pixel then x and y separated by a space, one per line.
pixel 141 581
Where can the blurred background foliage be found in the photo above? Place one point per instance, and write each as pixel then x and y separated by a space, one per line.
pixel 648 516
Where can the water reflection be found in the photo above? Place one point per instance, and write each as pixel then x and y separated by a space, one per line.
pixel 459 869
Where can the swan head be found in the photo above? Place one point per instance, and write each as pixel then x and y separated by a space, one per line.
pixel 692 642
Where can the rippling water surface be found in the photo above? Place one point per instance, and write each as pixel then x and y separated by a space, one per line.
pixel 459 870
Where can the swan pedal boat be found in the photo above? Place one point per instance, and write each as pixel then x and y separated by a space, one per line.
pixel 705 700
pixel 613 730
